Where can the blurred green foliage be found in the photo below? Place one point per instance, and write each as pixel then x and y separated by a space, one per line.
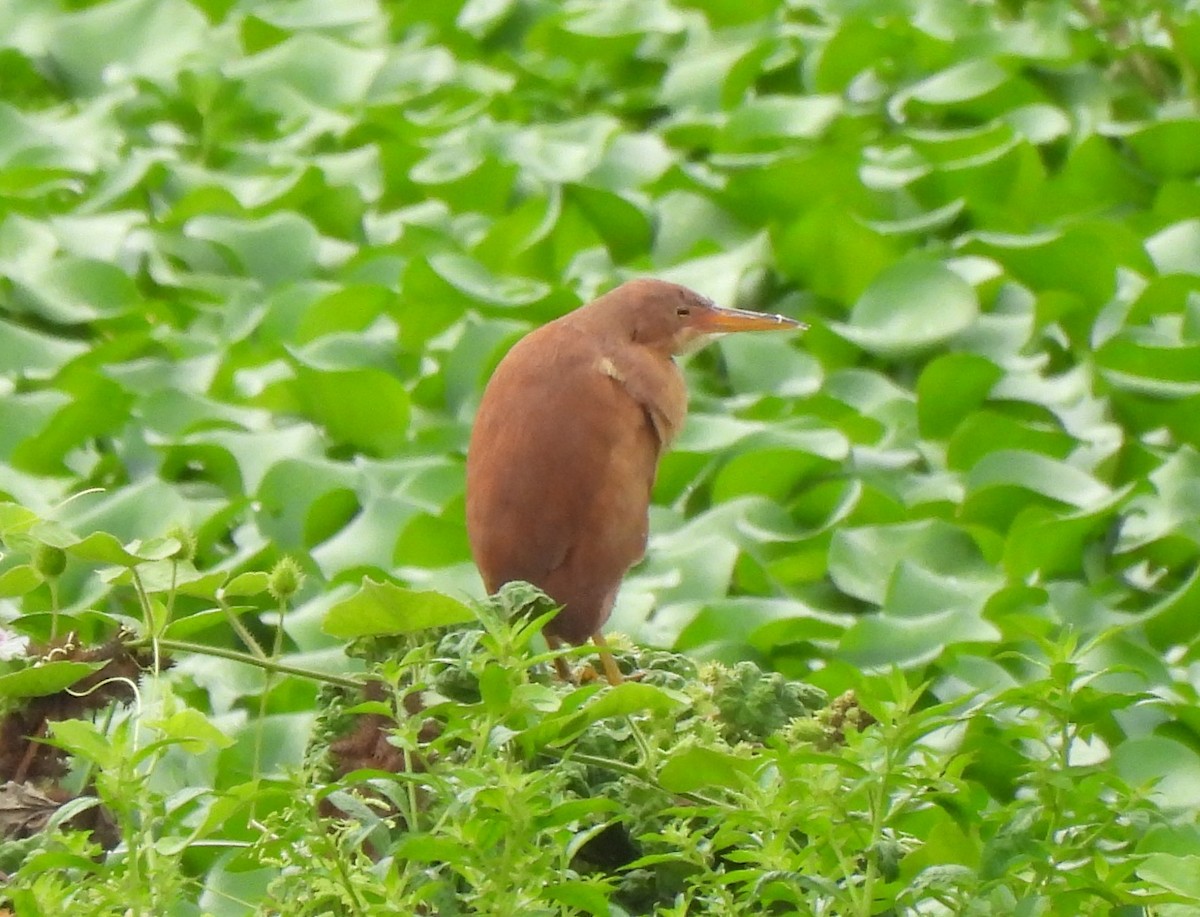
pixel 258 257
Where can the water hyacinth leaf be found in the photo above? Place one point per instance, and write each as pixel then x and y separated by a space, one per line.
pixel 301 503
pixel 25 415
pixel 768 363
pixel 623 226
pixel 983 432
pixel 1039 123
pixel 1004 483
pixel 1083 260
pixel 959 83
pixel 773 473
pixel 367 409
pixel 1052 544
pixel 313 67
pixel 762 623
pixel 77 290
pixel 147 37
pixel 385 609
pixel 1169 766
pixel 1038 474
pixel 915 591
pixel 862 560
pixel 276 249
pixel 1176 249
pixel 950 388
pixel 832 252
pixel 1173 507
pixel 1176 873
pixel 481 17
pixel 883 641
pixel 33 353
pixel 770 117
pixel 1151 368
pixel 474 283
pixel 910 307
pixel 718 276
pixel 1169 148
pixel 97 410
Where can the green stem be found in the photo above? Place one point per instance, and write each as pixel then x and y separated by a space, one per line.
pixel 270 665
pixel 243 632
pixel 52 582
pixel 631 770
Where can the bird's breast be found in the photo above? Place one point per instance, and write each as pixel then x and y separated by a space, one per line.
pixel 656 386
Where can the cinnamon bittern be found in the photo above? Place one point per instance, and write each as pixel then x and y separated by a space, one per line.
pixel 567 441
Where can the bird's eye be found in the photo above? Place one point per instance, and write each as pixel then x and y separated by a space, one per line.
pixel 683 310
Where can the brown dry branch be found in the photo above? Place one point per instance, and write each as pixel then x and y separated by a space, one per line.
pixel 23 756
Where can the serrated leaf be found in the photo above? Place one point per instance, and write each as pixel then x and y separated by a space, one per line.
pixel 698 767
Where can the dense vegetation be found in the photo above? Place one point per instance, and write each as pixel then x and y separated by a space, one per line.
pixel 929 575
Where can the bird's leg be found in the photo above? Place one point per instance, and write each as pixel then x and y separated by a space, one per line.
pixel 611 672
pixel 560 662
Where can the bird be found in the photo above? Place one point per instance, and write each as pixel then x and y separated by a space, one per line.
pixel 566 443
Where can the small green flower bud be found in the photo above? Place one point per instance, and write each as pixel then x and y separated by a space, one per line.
pixel 187 542
pixel 49 560
pixel 286 579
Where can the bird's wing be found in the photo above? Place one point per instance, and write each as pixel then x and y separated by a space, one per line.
pixel 561 465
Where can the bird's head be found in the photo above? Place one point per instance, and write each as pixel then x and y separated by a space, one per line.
pixel 672 319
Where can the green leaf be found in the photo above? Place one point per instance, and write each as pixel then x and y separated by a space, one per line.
pixel 251 583
pixel 1039 474
pixel 19 580
pixel 84 740
pixel 47 678
pixel 967 80
pixel 379 609
pixel 1169 768
pixel 622 225
pixel 364 408
pixel 1176 249
pixel 192 730
pixel 147 38
pixel 310 66
pixel 579 894
pixel 276 249
pixel 1170 148
pixel 15 518
pixel 624 699
pixel 697 767
pixel 101 547
pixel 862 560
pixel 909 308
pixel 1177 874
pixel 950 388
pixel 781 116
pixel 33 353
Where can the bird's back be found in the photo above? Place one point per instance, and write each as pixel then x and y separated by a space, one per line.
pixel 559 472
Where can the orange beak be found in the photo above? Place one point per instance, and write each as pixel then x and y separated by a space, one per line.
pixel 718 320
